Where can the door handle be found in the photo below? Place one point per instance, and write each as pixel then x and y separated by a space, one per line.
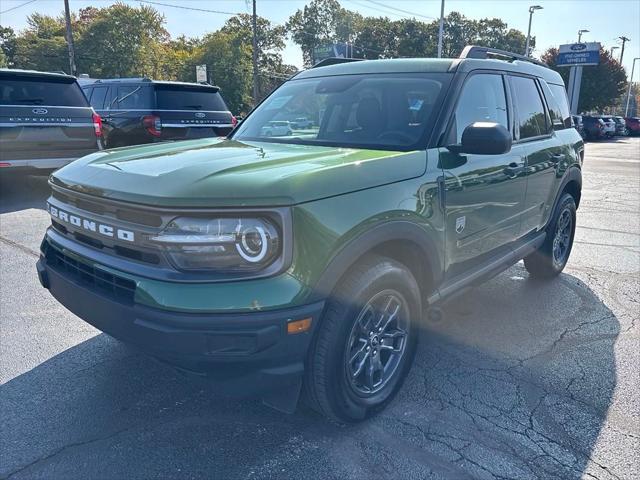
pixel 557 158
pixel 513 169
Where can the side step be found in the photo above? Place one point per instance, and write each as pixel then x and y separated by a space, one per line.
pixel 486 271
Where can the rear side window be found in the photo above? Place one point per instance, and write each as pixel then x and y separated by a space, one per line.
pixel 98 96
pixel 170 97
pixel 16 90
pixel 134 97
pixel 559 107
pixel 530 116
pixel 482 100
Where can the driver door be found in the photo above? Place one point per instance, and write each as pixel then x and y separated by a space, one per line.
pixel 484 194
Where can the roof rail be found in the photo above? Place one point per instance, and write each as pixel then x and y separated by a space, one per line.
pixel 335 60
pixel 474 51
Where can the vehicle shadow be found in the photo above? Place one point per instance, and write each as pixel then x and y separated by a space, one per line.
pixel 21 192
pixel 515 382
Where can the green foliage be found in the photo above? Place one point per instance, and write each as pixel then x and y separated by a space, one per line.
pixel 601 85
pixel 122 41
pixel 229 65
pixel 325 22
pixel 321 22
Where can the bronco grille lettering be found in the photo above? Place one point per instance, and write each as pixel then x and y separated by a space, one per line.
pixel 91 225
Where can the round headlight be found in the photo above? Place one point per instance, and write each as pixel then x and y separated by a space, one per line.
pixel 253 244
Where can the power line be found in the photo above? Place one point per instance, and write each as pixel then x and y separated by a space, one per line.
pixel 399 10
pixel 17 6
pixel 187 8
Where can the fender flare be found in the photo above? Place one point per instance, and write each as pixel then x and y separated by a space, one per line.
pixel 574 173
pixel 356 248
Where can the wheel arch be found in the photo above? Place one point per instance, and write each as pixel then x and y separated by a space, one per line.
pixel 401 241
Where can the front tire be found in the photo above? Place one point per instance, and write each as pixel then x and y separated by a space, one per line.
pixel 552 256
pixel 366 341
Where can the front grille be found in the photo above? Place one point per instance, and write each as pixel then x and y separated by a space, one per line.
pixel 89 276
pixel 125 214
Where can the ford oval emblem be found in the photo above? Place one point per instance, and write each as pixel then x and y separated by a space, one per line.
pixel 40 111
pixel 578 46
pixel 200 115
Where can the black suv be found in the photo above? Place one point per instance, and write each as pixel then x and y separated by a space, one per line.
pixel 45 121
pixel 140 110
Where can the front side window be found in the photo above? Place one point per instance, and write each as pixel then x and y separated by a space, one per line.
pixel 530 110
pixel 382 111
pixel 482 100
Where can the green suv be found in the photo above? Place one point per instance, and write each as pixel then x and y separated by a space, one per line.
pixel 305 262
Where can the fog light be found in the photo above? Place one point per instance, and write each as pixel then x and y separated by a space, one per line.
pixel 299 326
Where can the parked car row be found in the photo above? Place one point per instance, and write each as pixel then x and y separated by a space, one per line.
pixel 49 119
pixel 598 127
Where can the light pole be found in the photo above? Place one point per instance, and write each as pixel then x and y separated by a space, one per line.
pixel 580 32
pixel 532 9
pixel 612 49
pixel 441 29
pixel 633 66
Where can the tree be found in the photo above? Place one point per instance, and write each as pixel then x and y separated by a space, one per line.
pixel 270 41
pixel 325 21
pixel 120 40
pixel 601 85
pixel 7 45
pixel 229 63
pixel 319 23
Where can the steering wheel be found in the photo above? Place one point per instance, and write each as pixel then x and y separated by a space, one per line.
pixel 397 135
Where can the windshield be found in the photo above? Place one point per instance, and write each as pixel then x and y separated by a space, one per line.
pixel 384 111
pixel 173 97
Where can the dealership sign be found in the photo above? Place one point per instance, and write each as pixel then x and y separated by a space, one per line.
pixel 336 50
pixel 579 54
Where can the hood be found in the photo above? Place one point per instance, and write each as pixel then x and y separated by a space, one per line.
pixel 227 173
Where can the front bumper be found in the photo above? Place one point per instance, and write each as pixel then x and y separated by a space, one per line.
pixel 244 353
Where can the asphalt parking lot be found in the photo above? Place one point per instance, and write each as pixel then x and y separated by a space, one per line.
pixel 521 380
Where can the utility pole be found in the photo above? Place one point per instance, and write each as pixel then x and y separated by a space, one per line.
pixel 624 40
pixel 254 55
pixel 612 49
pixel 441 29
pixel 72 56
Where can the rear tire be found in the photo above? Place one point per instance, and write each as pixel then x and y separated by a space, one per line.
pixel 552 256
pixel 366 341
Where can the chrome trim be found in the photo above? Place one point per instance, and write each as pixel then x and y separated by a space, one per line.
pixel 159 110
pixel 43 163
pixel 47 124
pixel 88 107
pixel 189 125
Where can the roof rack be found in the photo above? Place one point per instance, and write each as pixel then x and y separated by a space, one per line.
pixel 474 51
pixel 335 60
pixel 124 79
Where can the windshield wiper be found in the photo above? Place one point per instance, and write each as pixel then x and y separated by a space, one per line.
pixel 195 107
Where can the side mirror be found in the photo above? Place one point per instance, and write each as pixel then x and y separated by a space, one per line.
pixel 484 138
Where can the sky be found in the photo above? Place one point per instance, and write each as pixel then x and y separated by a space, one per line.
pixel 558 22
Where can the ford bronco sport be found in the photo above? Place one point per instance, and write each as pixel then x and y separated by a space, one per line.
pixel 305 262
